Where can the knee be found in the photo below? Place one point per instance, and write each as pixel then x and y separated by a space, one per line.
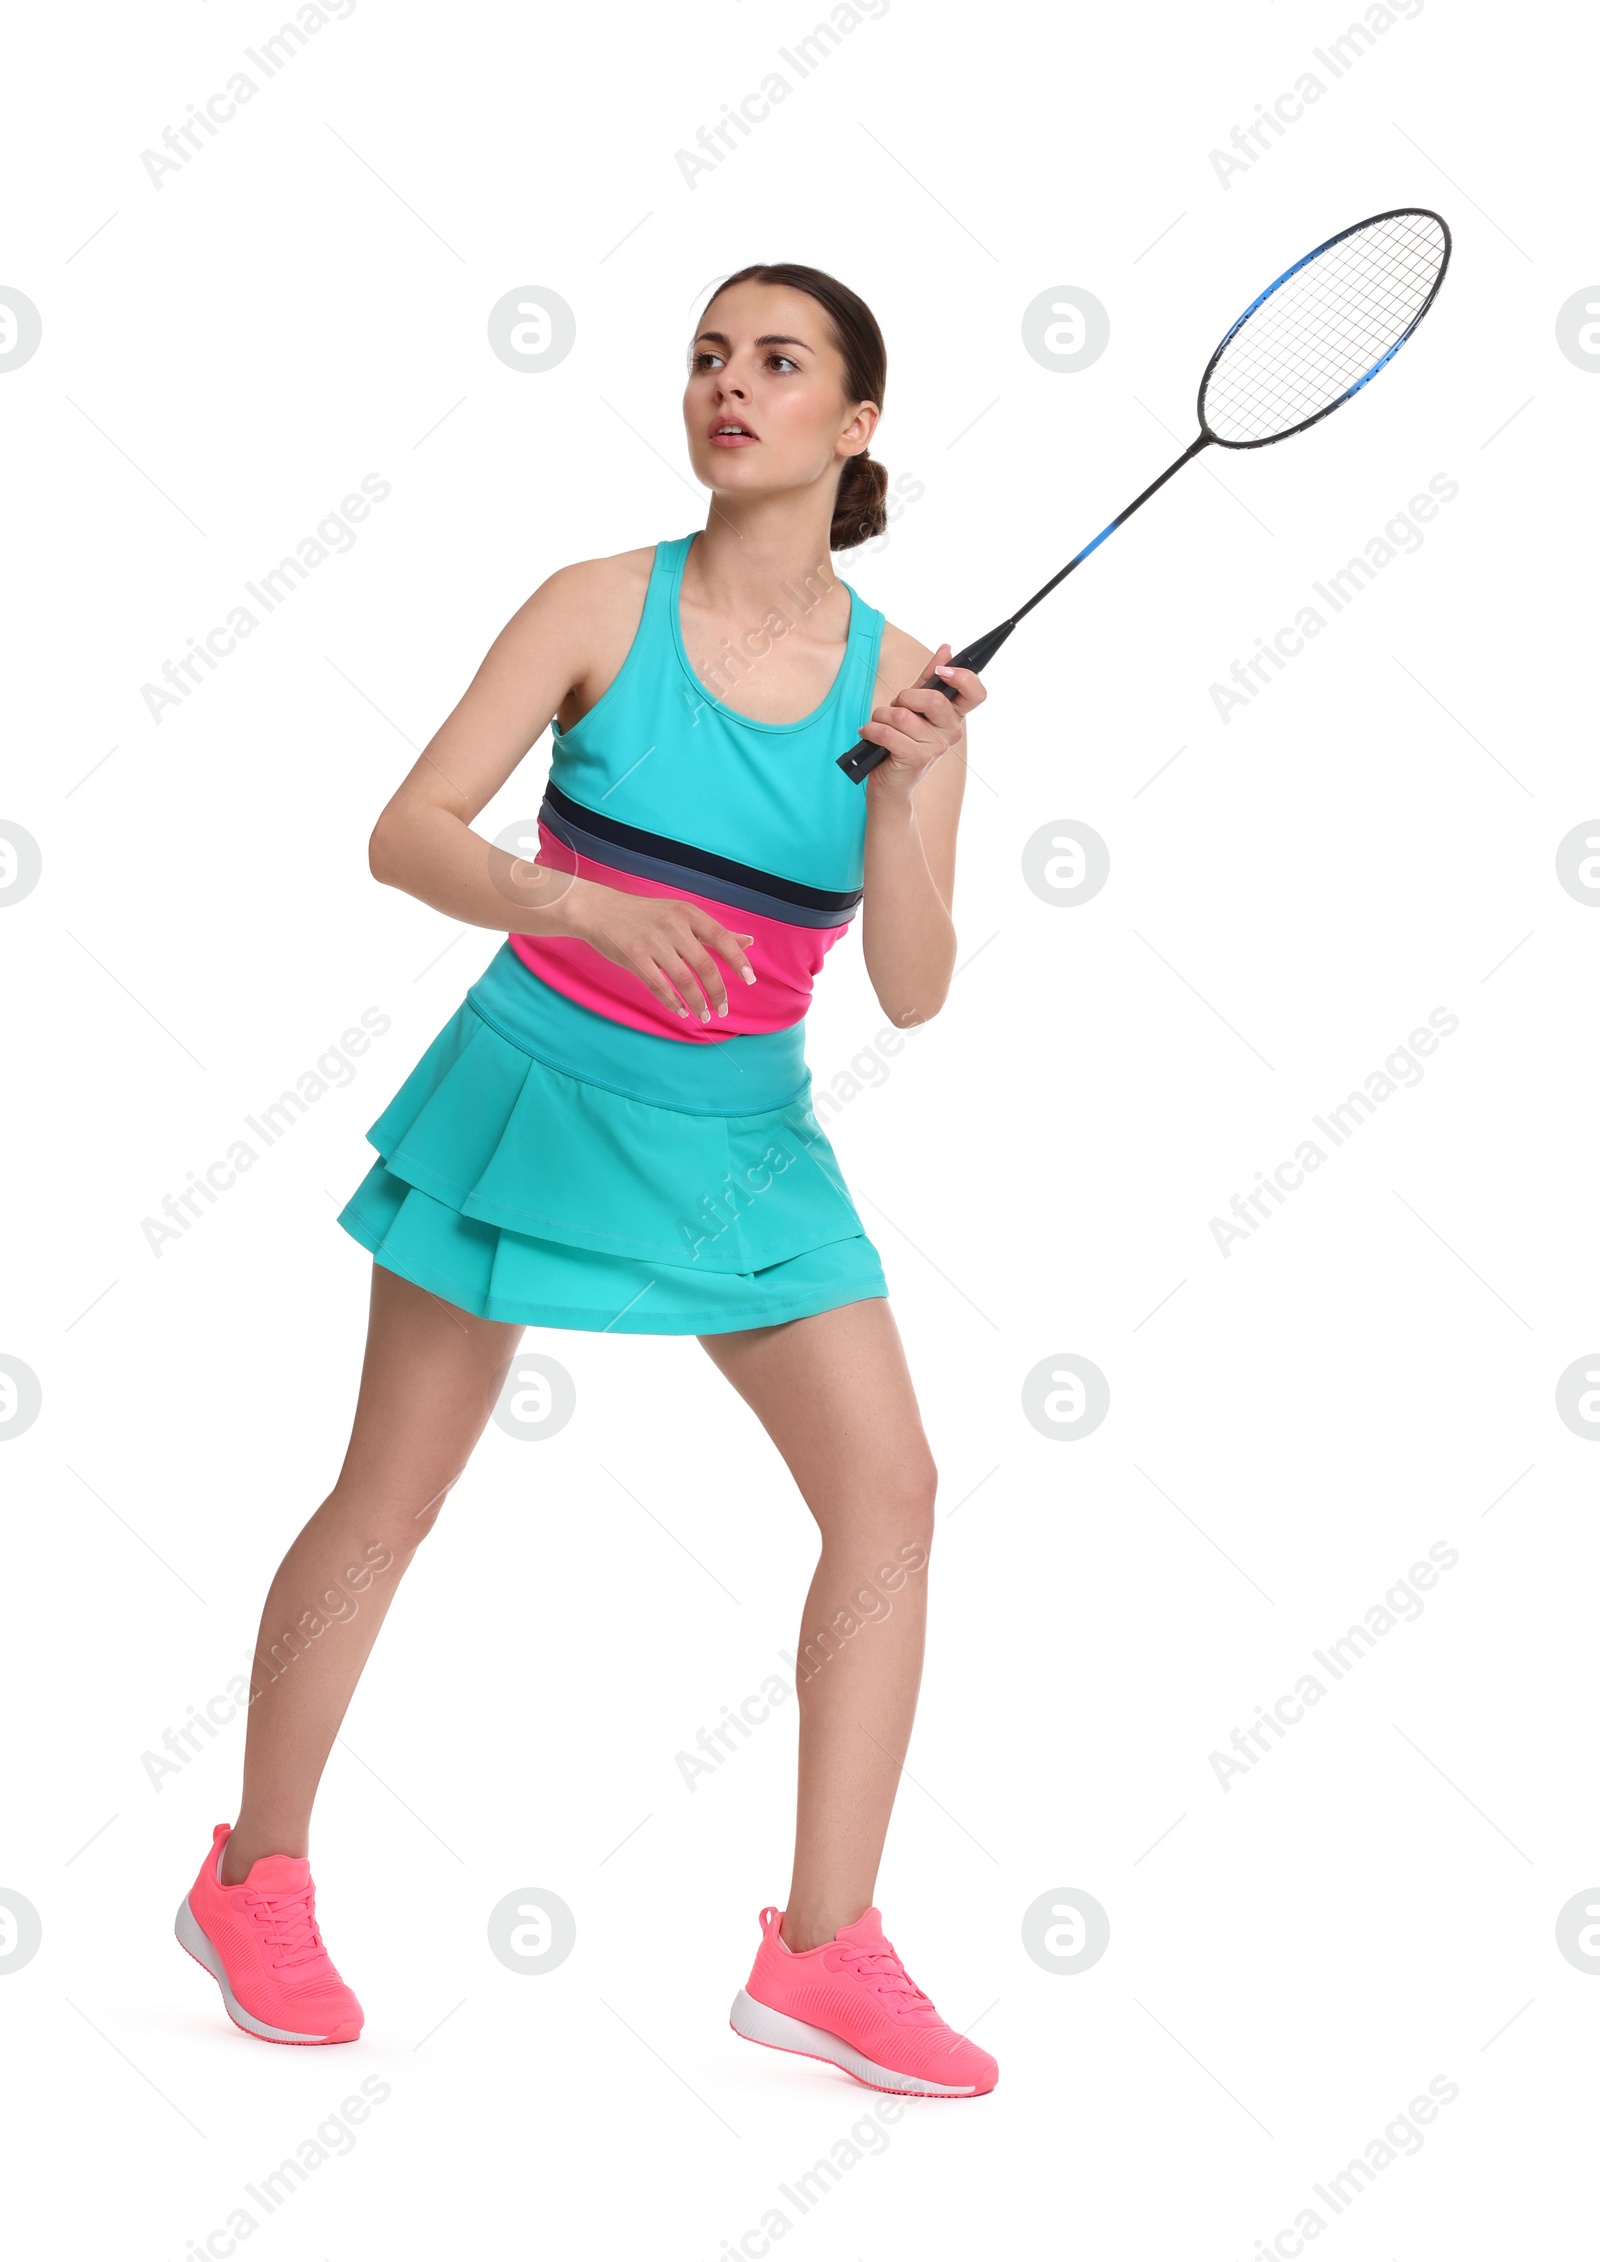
pixel 408 1524
pixel 905 1521
pixel 385 1529
pixel 921 1499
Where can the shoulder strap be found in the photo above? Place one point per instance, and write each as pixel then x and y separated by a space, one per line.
pixel 860 670
pixel 666 571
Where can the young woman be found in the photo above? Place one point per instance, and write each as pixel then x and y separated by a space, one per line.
pixel 614 1131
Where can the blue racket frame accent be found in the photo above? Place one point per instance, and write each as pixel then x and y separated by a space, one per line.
pixel 1400 212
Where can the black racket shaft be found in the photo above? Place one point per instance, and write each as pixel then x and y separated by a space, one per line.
pixel 864 756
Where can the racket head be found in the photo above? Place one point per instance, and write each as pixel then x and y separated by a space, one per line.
pixel 1324 329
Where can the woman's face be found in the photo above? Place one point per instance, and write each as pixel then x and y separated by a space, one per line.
pixel 764 407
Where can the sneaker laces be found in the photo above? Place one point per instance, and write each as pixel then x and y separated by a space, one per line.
pixel 291 1925
pixel 884 1972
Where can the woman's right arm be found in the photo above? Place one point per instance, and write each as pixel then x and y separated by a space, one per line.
pixel 423 842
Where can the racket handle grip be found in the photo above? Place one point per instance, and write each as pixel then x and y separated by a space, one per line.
pixel 864 756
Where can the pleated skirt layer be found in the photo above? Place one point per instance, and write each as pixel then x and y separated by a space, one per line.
pixel 544 1166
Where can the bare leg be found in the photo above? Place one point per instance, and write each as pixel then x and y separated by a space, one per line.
pixel 428 1384
pixel 835 1396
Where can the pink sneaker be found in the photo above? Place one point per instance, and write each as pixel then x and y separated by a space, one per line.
pixel 851 2002
pixel 260 1943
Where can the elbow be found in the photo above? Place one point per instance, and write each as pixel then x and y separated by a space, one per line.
pixel 380 850
pixel 912 984
pixel 912 1016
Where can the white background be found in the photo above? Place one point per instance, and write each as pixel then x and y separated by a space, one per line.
pixel 1291 1959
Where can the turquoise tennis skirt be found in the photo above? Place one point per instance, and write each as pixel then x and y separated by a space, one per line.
pixel 544 1165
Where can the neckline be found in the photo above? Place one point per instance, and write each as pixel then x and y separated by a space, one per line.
pixel 720 706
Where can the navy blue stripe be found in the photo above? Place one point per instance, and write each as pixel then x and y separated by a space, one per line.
pixel 683 877
pixel 831 907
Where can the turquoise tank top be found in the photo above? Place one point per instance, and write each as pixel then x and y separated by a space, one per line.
pixel 663 788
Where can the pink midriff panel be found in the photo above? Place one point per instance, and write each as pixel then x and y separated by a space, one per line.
pixel 785 958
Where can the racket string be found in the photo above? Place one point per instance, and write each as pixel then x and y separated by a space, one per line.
pixel 1296 354
pixel 1323 329
pixel 1314 350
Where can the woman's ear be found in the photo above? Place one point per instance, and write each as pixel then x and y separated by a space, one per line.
pixel 858 432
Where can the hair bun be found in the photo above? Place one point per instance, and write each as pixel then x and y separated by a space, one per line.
pixel 858 512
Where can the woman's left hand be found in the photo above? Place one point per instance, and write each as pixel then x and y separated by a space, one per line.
pixel 916 727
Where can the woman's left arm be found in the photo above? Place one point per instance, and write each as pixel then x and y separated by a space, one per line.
pixel 913 809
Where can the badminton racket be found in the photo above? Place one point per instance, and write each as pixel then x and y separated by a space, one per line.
pixel 1309 343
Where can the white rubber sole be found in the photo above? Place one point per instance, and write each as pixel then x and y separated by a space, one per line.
pixel 759 2024
pixel 191 1938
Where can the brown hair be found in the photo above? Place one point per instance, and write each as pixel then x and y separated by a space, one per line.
pixel 858 512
